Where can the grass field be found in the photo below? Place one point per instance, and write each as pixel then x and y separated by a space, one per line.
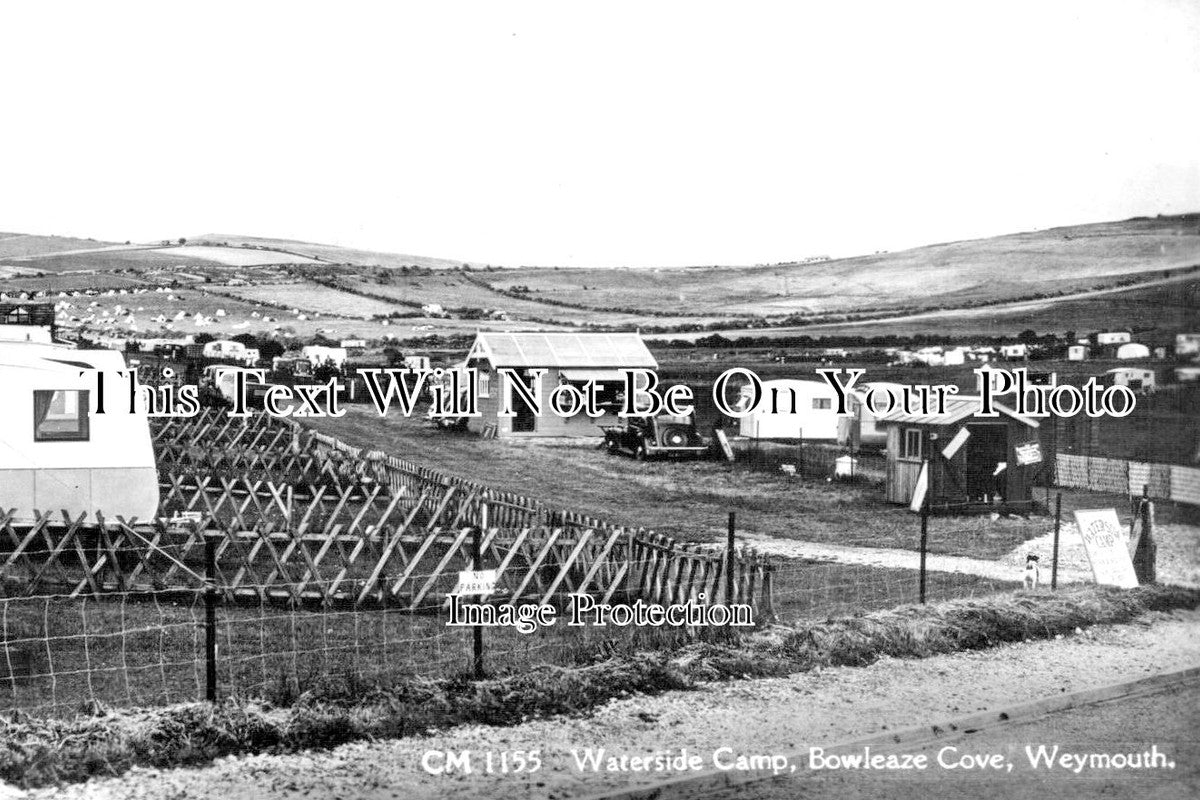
pixel 312 297
pixel 23 245
pixel 333 253
pixel 148 650
pixel 237 256
pixel 687 500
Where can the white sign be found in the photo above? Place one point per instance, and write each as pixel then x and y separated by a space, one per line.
pixel 918 498
pixel 956 443
pixel 1107 547
pixel 1030 453
pixel 724 442
pixel 476 582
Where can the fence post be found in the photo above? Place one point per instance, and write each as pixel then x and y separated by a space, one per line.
pixel 1144 557
pixel 477 564
pixel 925 525
pixel 1057 528
pixel 210 618
pixel 730 559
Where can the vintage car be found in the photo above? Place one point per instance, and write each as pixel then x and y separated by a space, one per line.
pixel 650 437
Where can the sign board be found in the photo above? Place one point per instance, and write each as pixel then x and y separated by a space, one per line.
pixel 724 442
pixel 1107 547
pixel 1029 453
pixel 921 489
pixel 476 582
pixel 956 443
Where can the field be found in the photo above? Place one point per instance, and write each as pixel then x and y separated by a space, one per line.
pixel 333 253
pixel 238 257
pixel 686 500
pixel 1176 303
pixel 314 298
pixel 22 245
pixel 949 275
pixel 1080 278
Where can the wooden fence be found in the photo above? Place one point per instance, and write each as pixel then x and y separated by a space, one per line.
pixel 1162 481
pixel 299 517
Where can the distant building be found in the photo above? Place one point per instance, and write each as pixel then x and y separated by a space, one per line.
pixel 229 350
pixel 1077 352
pixel 955 357
pixel 1187 374
pixel 318 355
pixel 1187 344
pixel 1113 337
pixel 1014 351
pixel 1136 378
pixel 27 322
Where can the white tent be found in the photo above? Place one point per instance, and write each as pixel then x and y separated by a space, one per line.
pixel 1133 350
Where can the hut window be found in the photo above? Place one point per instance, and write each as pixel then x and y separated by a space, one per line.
pixel 60 416
pixel 485 384
pixel 912 443
pixel 822 403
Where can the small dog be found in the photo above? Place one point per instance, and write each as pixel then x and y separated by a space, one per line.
pixel 1033 576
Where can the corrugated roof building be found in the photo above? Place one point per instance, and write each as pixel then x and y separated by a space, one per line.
pixel 575 358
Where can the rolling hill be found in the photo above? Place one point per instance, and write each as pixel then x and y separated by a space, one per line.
pixel 1058 279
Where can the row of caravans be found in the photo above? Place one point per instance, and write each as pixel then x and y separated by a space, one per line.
pixel 55 455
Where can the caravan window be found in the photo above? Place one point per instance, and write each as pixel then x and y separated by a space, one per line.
pixel 60 416
pixel 822 403
pixel 910 447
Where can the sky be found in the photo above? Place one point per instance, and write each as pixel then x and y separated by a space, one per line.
pixel 596 134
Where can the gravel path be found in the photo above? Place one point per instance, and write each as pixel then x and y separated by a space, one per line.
pixel 753 716
pixel 1008 568
pixel 1178 556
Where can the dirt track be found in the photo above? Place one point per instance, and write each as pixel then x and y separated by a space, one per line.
pixel 753 716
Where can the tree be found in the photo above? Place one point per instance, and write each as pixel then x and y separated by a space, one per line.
pixel 394 357
pixel 182 241
pixel 204 338
pixel 269 349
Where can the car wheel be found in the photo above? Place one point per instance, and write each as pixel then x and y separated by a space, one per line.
pixel 640 454
pixel 675 436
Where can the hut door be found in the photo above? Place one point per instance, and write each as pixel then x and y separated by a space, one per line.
pixel 524 420
pixel 987 447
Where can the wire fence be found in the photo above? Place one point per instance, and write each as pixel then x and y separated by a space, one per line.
pixel 285 561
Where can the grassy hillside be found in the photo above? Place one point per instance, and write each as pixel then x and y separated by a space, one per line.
pixel 1162 308
pixel 985 270
pixel 24 245
pixel 332 253
pixel 1082 278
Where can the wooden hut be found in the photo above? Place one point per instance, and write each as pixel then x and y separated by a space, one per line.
pixel 972 460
